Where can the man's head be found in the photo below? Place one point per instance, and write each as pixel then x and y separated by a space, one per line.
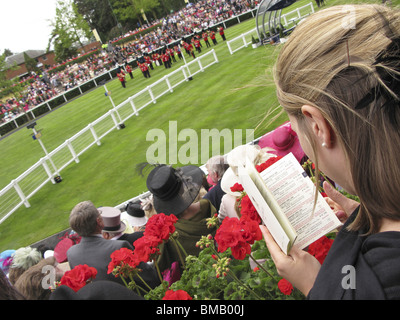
pixel 85 219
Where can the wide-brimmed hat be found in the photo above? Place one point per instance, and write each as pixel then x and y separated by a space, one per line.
pixel 112 219
pixel 238 156
pixel 283 140
pixel 174 190
pixel 134 214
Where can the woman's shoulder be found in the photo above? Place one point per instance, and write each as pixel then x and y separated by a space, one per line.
pixel 381 251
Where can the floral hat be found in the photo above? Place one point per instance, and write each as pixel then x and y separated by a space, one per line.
pixel 238 156
pixel 174 190
pixel 283 140
pixel 6 258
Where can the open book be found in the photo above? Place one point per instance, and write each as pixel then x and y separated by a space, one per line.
pixel 283 195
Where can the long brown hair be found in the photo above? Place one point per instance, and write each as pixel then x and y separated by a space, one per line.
pixel 345 61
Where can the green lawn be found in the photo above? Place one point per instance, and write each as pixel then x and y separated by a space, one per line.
pixel 233 94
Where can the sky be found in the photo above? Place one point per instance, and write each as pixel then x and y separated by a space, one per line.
pixel 24 24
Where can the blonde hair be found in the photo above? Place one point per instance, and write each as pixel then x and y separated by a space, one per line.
pixel 331 62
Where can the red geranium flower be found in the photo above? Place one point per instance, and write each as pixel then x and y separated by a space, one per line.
pixel 247 209
pixel 237 187
pixel 177 295
pixel 145 248
pixel 285 287
pixel 241 250
pixel 237 235
pixel 261 167
pixel 78 277
pixel 121 257
pixel 251 230
pixel 160 226
pixel 320 248
pixel 228 235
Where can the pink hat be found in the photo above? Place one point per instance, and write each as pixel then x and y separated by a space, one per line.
pixel 283 140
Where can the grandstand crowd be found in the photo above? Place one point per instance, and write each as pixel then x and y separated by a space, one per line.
pixel 196 21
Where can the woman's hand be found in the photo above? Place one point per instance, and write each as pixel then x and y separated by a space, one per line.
pixel 298 267
pixel 340 204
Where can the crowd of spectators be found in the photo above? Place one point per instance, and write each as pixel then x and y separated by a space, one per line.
pixel 189 194
pixel 192 19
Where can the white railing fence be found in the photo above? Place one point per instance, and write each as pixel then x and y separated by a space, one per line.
pixel 20 190
pixel 289 19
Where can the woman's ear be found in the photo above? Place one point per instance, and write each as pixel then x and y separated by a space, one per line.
pixel 320 127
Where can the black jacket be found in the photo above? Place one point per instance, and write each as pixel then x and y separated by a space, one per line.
pixel 360 267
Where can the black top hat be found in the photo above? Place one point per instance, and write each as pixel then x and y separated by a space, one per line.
pixel 174 190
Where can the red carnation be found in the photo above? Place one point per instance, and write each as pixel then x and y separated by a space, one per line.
pixel 78 277
pixel 285 287
pixel 177 295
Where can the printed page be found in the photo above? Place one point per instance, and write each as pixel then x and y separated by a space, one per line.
pixel 294 191
pixel 272 216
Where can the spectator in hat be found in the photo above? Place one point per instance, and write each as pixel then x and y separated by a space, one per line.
pixel 114 228
pixel 283 140
pixel 93 249
pixel 6 260
pixel 23 259
pixel 229 205
pixel 135 216
pixel 148 206
pixel 174 192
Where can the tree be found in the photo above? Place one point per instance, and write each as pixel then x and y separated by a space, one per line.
pixel 31 64
pixel 9 86
pixel 98 14
pixel 70 30
pixel 7 53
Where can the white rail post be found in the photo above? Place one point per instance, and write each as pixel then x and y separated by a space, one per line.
pixel 168 84
pixel 20 193
pixel 151 94
pixel 200 65
pixel 96 139
pixel 72 150
pixel 47 169
pixel 215 55
pixel 134 108
pixel 114 119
